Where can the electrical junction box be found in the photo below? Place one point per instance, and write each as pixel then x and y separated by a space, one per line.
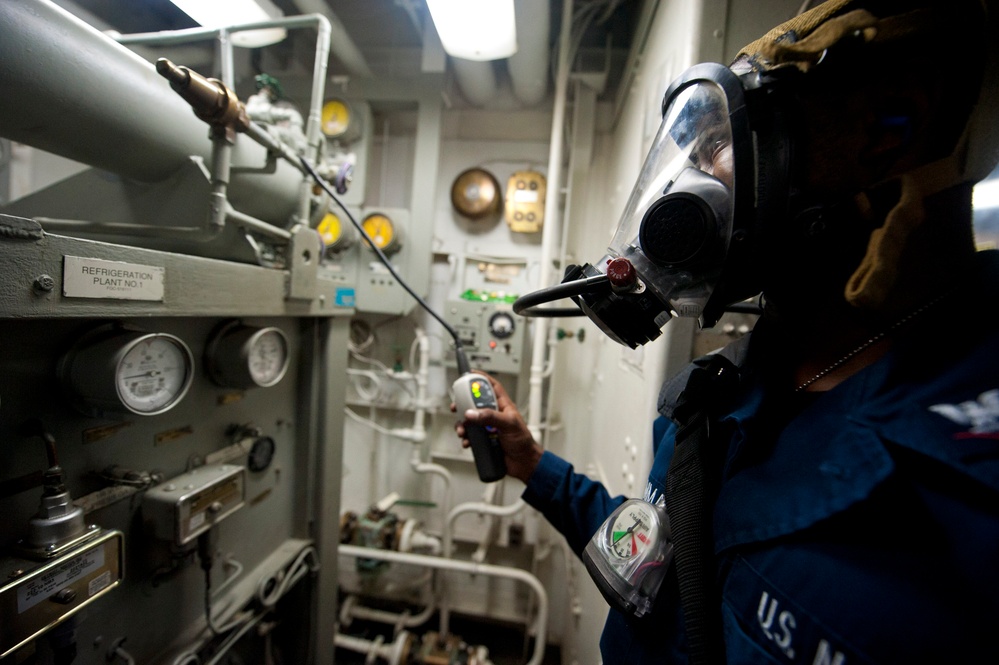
pixel 378 292
pixel 38 595
pixel 495 339
pixel 183 508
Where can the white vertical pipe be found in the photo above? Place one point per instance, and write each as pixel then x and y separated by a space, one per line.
pixel 552 220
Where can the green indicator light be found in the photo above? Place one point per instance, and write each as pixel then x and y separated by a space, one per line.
pixel 476 389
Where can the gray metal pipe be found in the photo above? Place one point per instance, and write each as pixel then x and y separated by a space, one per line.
pixel 70 90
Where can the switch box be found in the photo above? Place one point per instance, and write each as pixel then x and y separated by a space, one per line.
pixel 183 508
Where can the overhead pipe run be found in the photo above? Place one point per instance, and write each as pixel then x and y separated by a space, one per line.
pixel 342 46
pixel 529 66
pixel 476 79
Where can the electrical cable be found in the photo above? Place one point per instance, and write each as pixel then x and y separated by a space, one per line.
pixel 462 361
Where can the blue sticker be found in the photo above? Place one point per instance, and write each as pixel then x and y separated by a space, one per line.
pixel 344 298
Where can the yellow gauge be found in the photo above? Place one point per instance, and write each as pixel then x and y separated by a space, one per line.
pixel 382 232
pixel 336 235
pixel 338 121
pixel 329 228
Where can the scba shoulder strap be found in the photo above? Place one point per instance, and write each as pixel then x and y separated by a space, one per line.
pixel 691 485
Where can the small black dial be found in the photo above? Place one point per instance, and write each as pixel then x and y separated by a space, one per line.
pixel 261 454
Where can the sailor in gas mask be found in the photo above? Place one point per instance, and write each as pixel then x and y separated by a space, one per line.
pixel 825 490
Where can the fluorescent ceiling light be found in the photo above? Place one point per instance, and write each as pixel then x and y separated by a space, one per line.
pixel 475 29
pixel 986 194
pixel 227 13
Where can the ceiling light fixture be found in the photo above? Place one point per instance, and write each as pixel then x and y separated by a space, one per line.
pixel 227 13
pixel 475 29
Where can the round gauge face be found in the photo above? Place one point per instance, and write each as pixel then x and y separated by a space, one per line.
pixel 330 230
pixel 380 229
pixel 501 325
pixel 267 356
pixel 261 454
pixel 631 533
pixel 334 118
pixel 154 374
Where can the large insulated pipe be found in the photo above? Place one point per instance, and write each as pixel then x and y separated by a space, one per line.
pixel 529 66
pixel 70 90
pixel 476 80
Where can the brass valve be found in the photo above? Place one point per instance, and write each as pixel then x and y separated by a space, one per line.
pixel 211 99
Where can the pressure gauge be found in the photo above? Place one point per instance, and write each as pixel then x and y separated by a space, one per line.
pixel 502 325
pixel 261 454
pixel 629 555
pixel 338 121
pixel 382 232
pixel 113 369
pixel 335 234
pixel 240 356
pixel 630 533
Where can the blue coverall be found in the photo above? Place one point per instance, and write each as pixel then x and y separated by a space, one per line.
pixel 859 525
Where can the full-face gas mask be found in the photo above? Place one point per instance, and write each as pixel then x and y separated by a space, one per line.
pixel 684 241
pixel 718 197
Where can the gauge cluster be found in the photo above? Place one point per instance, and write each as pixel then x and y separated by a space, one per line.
pixel 118 368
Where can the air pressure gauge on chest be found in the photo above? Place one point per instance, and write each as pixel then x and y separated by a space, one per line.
pixel 629 555
pixel 241 356
pixel 115 369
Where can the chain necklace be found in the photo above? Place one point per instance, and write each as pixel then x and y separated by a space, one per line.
pixel 870 342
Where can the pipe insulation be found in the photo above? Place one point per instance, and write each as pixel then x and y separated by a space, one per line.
pixel 344 48
pixel 476 79
pixel 529 66
pixel 70 90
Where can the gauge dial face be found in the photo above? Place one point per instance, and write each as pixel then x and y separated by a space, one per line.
pixel 501 325
pixel 261 454
pixel 631 533
pixel 267 356
pixel 380 229
pixel 330 230
pixel 154 374
pixel 335 118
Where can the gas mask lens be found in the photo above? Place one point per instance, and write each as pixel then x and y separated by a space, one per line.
pixel 678 220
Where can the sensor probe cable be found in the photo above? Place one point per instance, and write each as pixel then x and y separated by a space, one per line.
pixel 463 366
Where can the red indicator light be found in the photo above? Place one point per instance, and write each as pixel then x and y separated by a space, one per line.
pixel 492 344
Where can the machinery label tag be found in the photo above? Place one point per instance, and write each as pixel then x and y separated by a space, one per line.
pixel 97 278
pixel 43 586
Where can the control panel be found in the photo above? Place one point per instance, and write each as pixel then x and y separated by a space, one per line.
pixel 493 336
